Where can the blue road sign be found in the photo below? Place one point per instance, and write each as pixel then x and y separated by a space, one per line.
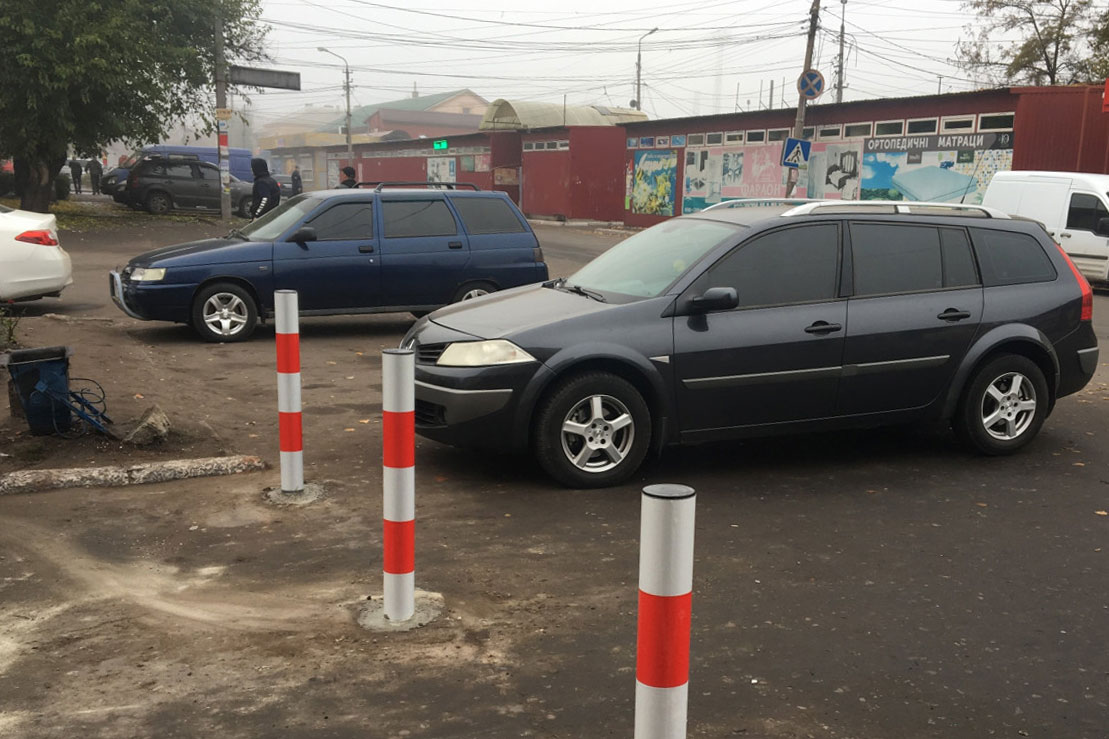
pixel 811 84
pixel 796 152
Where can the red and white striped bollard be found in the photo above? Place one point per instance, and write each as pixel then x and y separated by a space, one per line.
pixel 398 410
pixel 665 610
pixel 287 333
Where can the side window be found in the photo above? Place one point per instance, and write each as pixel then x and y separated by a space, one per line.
pixel 892 258
pixel 180 170
pixel 406 218
pixel 958 260
pixel 205 173
pixel 1085 211
pixel 793 265
pixel 487 215
pixel 1009 258
pixel 345 222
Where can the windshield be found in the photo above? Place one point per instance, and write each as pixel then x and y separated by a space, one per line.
pixel 131 160
pixel 278 220
pixel 646 264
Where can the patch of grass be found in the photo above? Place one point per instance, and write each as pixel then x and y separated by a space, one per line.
pixel 84 216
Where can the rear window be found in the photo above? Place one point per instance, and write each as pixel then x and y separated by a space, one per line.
pixel 487 215
pixel 890 258
pixel 1008 258
pixel 412 218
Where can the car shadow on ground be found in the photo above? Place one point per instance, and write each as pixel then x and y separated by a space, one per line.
pixel 310 328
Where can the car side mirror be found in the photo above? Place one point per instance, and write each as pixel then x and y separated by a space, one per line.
pixel 715 298
pixel 303 235
pixel 1102 227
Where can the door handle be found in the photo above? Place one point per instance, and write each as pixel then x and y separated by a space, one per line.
pixel 823 327
pixel 454 244
pixel 1064 234
pixel 366 249
pixel 951 314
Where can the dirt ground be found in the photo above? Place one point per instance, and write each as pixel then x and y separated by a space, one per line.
pixel 852 585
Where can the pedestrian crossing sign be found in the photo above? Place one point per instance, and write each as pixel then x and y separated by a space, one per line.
pixel 795 152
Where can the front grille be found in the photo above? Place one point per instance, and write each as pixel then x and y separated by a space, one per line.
pixel 430 414
pixel 429 353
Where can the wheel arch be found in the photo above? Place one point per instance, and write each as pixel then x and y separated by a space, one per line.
pixel 238 281
pixel 1021 340
pixel 636 369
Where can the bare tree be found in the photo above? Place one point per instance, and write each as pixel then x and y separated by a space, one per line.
pixel 1055 42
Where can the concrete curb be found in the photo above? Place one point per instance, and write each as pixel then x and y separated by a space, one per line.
pixel 37 481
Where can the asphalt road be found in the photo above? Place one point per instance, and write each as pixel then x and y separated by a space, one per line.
pixel 865 584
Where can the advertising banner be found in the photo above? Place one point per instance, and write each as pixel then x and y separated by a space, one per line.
pixel 945 169
pixel 441 169
pixel 654 182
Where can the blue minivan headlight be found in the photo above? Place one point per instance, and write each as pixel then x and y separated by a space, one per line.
pixel 482 354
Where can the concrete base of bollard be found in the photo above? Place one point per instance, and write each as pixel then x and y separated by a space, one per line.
pixel 371 616
pixel 311 493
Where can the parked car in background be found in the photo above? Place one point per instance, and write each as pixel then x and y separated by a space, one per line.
pixel 1072 206
pixel 343 251
pixel 115 181
pixel 160 185
pixel 285 182
pixel 749 321
pixel 32 262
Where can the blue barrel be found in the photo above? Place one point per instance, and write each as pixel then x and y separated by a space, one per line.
pixel 49 365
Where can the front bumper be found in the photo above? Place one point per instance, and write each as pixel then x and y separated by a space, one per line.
pixel 115 287
pixel 151 301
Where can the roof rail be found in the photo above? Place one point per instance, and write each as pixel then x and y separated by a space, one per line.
pixel 758 202
pixel 430 185
pixel 895 207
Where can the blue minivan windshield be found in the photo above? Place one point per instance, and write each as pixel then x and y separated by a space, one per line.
pixel 646 264
pixel 279 220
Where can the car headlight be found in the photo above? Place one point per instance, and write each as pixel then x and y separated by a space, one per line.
pixel 147 274
pixel 482 354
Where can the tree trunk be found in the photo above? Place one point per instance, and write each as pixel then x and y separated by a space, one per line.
pixel 39 190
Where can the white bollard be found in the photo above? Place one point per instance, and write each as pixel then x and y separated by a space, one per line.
pixel 665 610
pixel 287 333
pixel 398 410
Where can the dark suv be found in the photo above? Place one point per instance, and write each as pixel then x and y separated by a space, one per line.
pixel 344 251
pixel 161 184
pixel 756 320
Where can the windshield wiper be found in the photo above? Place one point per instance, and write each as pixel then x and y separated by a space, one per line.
pixel 240 234
pixel 579 290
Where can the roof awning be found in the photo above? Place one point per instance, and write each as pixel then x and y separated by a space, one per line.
pixel 516 115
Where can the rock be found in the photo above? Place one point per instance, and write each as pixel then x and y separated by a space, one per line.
pixel 152 427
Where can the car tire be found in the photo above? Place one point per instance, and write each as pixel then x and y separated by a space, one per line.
pixel 158 202
pixel 598 453
pixel 244 208
pixel 472 290
pixel 1004 406
pixel 224 312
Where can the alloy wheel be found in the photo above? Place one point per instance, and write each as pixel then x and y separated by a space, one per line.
pixel 1008 406
pixel 597 433
pixel 225 314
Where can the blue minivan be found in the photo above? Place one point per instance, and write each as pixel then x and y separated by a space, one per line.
pixel 115 180
pixel 344 251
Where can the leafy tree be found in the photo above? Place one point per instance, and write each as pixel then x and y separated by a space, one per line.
pixel 1056 42
pixel 82 74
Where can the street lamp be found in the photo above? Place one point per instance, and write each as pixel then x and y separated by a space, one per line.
pixel 346 86
pixel 639 69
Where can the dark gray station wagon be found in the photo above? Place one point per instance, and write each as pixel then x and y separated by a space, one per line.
pixel 757 320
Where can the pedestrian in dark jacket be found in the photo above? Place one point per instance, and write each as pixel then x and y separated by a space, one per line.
pixel 75 175
pixel 96 169
pixel 349 181
pixel 298 184
pixel 267 193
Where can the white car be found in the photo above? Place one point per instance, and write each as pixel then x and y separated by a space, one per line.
pixel 32 264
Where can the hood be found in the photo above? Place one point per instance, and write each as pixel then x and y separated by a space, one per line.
pixel 206 251
pixel 502 314
pixel 259 167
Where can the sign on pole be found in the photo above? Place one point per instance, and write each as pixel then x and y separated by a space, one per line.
pixel 796 152
pixel 810 84
pixel 223 114
pixel 253 77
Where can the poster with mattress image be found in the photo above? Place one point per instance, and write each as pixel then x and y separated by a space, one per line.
pixel 941 169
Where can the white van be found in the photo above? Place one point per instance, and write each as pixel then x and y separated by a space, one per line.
pixel 1070 204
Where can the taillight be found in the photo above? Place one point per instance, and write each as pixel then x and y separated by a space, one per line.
pixel 45 238
pixel 1084 285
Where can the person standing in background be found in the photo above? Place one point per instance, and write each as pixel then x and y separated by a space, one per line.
pixel 75 175
pixel 349 180
pixel 267 193
pixel 96 170
pixel 298 184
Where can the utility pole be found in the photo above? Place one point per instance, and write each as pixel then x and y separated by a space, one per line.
pixel 346 88
pixel 223 155
pixel 639 70
pixel 799 123
pixel 939 85
pixel 839 70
